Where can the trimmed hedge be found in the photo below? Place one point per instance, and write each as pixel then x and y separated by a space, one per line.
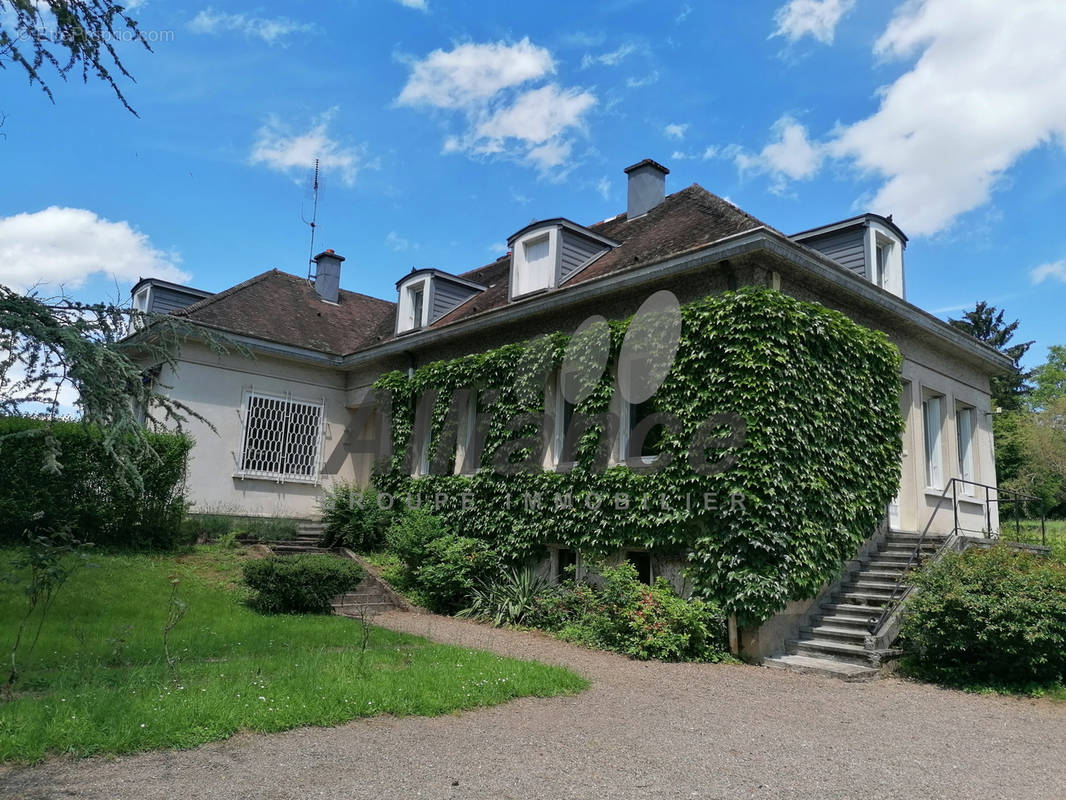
pixel 89 493
pixel 300 584
pixel 353 518
pixel 819 395
pixel 987 617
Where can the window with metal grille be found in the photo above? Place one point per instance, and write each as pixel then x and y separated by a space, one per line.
pixel 281 438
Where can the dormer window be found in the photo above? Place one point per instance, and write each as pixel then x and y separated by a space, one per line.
pixel 418 295
pixel 870 245
pixel 427 295
pixel 547 254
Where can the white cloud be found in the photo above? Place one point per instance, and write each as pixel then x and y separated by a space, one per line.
pixel 647 80
pixel 1055 270
pixel 420 5
pixel 711 152
pixel 603 186
pixel 473 73
pixel 610 59
pixel 66 246
pixel 987 87
pixel 279 148
pixel 675 131
pixel 398 243
pixel 815 18
pixel 682 15
pixel 790 156
pixel 271 30
pixel 488 84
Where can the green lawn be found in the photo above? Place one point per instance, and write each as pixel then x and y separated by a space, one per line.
pixel 1030 532
pixel 98 681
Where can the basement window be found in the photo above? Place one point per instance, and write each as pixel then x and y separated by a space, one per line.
pixel 641 559
pixel 281 438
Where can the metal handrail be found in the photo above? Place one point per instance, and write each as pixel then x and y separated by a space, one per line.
pixel 895 598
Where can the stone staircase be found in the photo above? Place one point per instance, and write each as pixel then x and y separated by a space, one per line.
pixel 371 597
pixel 835 639
pixel 308 533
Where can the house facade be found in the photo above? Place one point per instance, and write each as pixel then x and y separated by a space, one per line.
pixel 294 416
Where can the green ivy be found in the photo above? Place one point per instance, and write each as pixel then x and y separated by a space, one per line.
pixel 820 461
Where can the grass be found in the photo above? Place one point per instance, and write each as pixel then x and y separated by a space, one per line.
pixel 98 682
pixel 1030 533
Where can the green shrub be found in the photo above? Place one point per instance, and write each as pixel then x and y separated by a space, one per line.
pixel 299 584
pixel 511 599
pixel 353 518
pixel 451 568
pixel 215 527
pixel 987 617
pixel 89 495
pixel 410 535
pixel 626 616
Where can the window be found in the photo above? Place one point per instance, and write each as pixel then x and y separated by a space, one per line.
pixel 422 434
pixel 642 561
pixel 934 464
pixel 281 438
pixel 418 295
pixel 632 430
pixel 467 457
pixel 140 300
pixel 564 415
pixel 880 263
pixel 565 564
pixel 965 429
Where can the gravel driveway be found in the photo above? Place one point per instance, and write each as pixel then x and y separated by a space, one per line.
pixel 642 730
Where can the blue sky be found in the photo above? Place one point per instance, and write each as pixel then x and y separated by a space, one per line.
pixel 444 127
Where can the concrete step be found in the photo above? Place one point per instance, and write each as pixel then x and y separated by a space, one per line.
pixel 849 635
pixel 286 548
pixel 831 649
pixel 872 585
pixel 860 598
pixel 357 609
pixel 859 622
pixel 849 609
pixel 882 575
pixel 821 666
pixel 897 565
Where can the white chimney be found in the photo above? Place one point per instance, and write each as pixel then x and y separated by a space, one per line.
pixel 647 187
pixel 328 275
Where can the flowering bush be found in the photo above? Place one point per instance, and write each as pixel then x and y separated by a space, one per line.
pixel 629 617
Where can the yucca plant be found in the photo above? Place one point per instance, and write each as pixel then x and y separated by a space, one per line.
pixel 509 599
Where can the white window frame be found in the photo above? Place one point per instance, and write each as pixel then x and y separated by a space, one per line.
pixel 625 430
pixel 425 406
pixel 465 439
pixel 280 472
pixel 557 400
pixel 965 430
pixel 933 439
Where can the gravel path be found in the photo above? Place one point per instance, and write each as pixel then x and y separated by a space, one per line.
pixel 642 730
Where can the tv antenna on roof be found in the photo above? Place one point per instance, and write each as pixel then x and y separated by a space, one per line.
pixel 313 222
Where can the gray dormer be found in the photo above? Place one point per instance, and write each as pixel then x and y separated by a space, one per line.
pixel 548 253
pixel 869 245
pixel 155 296
pixel 427 295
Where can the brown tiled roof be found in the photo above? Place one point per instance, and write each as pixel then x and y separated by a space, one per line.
pixel 684 221
pixel 286 309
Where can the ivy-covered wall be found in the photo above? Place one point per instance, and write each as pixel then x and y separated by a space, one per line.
pixel 820 459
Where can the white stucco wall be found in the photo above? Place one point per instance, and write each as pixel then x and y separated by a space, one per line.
pixel 215 387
